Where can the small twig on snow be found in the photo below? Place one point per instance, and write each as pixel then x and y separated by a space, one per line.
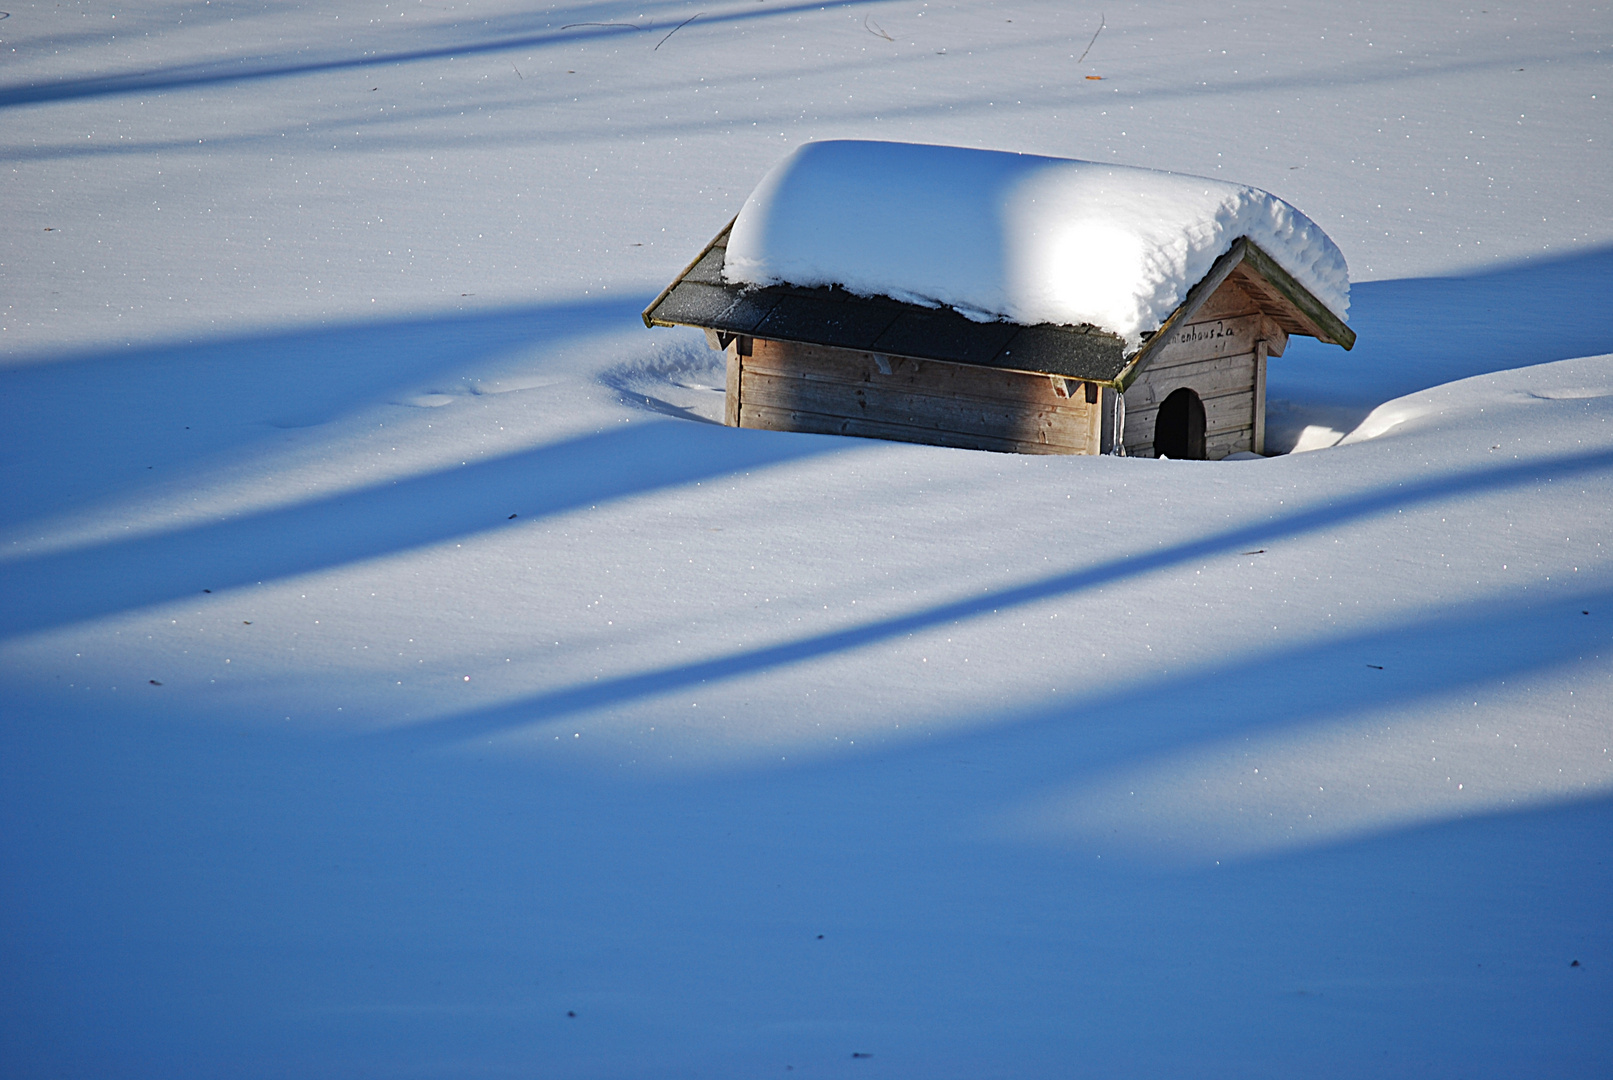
pixel 676 28
pixel 875 29
pixel 518 74
pixel 573 26
pixel 1094 40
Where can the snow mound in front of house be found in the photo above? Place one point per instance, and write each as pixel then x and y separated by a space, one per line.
pixel 1021 237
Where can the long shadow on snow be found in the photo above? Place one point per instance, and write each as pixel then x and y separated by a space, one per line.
pixel 978 780
pixel 1471 648
pixel 494 882
pixel 1415 333
pixel 586 697
pixel 121 420
pixel 209 73
pixel 396 132
pixel 61 588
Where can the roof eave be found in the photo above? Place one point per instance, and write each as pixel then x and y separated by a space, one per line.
pixel 879 324
pixel 722 235
pixel 1284 297
pixel 1324 325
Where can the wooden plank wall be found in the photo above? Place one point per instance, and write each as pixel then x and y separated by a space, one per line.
pixel 786 386
pixel 1220 355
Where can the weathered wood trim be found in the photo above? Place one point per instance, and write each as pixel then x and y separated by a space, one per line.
pixel 731 385
pixel 1329 326
pixel 1107 396
pixel 1258 444
pixel 662 295
pixel 1276 338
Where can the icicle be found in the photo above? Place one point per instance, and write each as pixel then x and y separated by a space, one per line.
pixel 1118 447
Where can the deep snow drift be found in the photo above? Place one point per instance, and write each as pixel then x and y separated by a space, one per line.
pixel 1018 236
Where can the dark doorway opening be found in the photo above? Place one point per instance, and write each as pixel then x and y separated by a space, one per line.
pixel 1179 429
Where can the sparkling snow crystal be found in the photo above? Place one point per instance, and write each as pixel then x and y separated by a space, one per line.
pixel 1016 236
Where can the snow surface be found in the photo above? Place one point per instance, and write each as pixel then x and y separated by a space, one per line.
pixel 1021 237
pixel 315 761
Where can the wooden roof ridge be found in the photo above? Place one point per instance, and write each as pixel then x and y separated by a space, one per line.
pixel 700 296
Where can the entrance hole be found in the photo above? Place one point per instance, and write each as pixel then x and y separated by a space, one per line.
pixel 1179 428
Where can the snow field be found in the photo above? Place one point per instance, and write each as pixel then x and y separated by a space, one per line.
pixel 758 751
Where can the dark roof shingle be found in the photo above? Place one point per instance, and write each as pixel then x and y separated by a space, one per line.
pixel 833 316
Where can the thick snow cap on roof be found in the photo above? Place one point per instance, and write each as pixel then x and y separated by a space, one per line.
pixel 1013 236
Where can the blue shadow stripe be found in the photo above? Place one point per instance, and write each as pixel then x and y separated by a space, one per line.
pixel 61 588
pixel 222 72
pixel 589 696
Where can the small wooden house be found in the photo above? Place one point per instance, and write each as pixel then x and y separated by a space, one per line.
pixel 825 360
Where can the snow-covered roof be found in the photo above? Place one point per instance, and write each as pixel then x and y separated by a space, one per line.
pixel 1016 237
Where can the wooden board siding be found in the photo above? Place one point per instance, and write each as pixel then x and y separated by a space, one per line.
pixel 1221 413
pixel 1227 302
pixel 1220 337
pixel 1220 445
pixel 1211 339
pixel 786 386
pixel 1207 378
pixel 1225 415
